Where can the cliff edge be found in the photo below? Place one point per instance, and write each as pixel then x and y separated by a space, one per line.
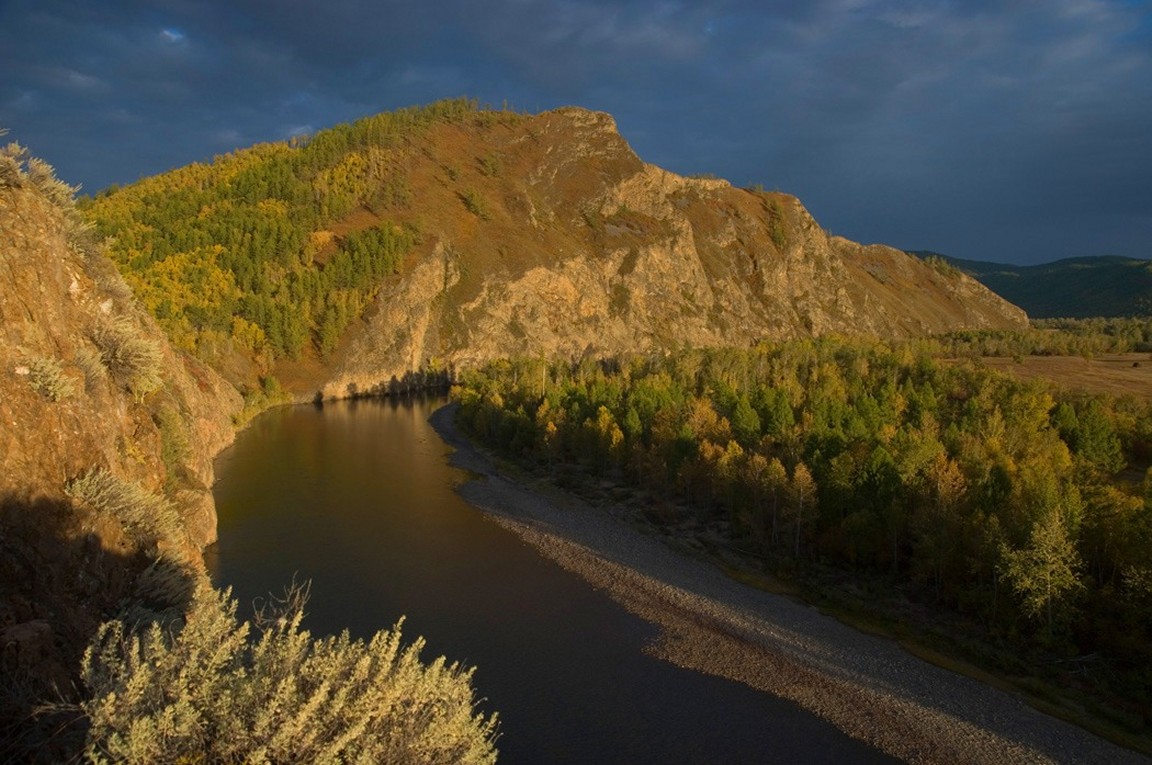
pixel 97 412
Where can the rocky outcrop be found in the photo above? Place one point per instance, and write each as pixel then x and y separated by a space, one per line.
pixel 578 247
pixel 87 383
pixel 68 401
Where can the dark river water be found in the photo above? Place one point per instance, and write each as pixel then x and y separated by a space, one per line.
pixel 358 498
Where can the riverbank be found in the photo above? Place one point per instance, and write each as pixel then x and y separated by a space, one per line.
pixel 867 686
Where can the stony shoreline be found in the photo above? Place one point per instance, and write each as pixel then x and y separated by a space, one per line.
pixel 867 686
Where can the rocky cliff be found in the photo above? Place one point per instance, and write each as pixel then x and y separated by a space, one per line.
pixel 549 236
pixel 89 388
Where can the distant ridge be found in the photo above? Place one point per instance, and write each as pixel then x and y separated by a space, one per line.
pixel 1074 288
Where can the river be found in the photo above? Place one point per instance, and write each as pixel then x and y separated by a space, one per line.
pixel 359 499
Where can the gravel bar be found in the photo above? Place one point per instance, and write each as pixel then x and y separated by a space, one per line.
pixel 867 686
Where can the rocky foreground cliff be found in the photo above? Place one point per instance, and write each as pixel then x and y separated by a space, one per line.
pixel 106 443
pixel 549 236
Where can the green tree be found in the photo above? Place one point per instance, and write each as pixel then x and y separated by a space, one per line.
pixel 803 496
pixel 939 534
pixel 775 484
pixel 745 422
pixel 1095 439
pixel 1046 570
pixel 765 479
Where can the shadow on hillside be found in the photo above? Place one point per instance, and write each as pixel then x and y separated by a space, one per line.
pixel 58 582
pixel 421 381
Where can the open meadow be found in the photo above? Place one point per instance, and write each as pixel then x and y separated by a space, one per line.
pixel 1116 373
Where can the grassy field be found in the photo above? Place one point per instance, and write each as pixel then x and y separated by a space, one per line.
pixel 1117 374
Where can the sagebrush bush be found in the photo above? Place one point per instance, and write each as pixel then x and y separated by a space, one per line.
pixel 167 583
pixel 43 176
pixel 17 168
pixel 9 172
pixel 90 363
pixel 147 518
pixel 133 360
pixel 11 159
pixel 221 690
pixel 47 376
pixel 103 272
pixel 163 592
pixel 475 204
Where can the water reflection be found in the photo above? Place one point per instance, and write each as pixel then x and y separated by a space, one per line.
pixel 358 498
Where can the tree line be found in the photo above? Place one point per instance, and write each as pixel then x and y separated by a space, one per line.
pixel 1053 337
pixel 1026 510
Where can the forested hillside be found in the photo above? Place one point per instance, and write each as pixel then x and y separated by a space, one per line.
pixel 1074 288
pixel 237 259
pixel 1023 510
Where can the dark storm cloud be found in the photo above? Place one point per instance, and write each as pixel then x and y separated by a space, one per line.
pixel 999 130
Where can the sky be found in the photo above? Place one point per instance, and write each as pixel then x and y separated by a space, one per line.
pixel 1017 131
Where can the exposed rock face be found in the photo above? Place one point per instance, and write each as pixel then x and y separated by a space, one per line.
pixel 577 246
pixel 65 410
pixel 58 296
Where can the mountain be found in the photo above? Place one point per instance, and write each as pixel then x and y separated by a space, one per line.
pixel 445 236
pixel 1076 288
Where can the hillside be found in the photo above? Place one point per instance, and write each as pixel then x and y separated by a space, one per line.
pixel 462 235
pixel 105 453
pixel 1074 288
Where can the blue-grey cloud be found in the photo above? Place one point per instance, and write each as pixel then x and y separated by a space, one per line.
pixel 987 129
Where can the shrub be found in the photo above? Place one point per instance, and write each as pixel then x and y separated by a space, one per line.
pixel 43 176
pixel 9 172
pixel 941 266
pixel 12 157
pixel 16 168
pixel 163 592
pixel 133 360
pixel 47 376
pixel 209 693
pixel 475 204
pixel 92 366
pixel 490 165
pixel 107 278
pixel 146 517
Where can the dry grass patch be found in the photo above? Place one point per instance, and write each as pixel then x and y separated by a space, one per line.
pixel 148 519
pixel 1116 374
